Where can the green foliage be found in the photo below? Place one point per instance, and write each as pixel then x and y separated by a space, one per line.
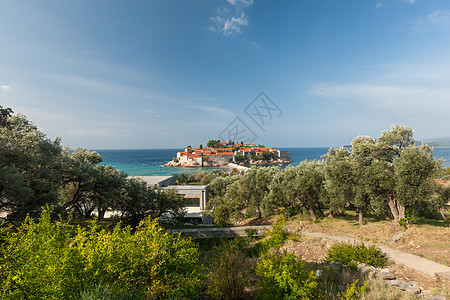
pixel 5 113
pixel 222 210
pixel 250 233
pixel 37 263
pixel 353 254
pixel 338 178
pixel 353 292
pixel 106 292
pixel 228 275
pixel 416 171
pixel 390 171
pixel 284 277
pixel 88 186
pixel 404 223
pixel 214 144
pixel 240 158
pixel 251 189
pixel 30 165
pixel 46 260
pixel 139 201
pixel 298 187
pixel 275 239
pixel 205 177
pixel 278 234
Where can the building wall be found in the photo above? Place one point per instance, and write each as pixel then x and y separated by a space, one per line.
pixel 153 181
pixel 193 191
pixel 220 159
pixel 284 155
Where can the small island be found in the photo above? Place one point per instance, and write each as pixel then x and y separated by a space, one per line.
pixel 219 154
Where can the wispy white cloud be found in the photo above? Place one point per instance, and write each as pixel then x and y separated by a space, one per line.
pixel 5 87
pixel 241 2
pixel 234 25
pixel 380 3
pixel 217 111
pixel 430 23
pixel 230 21
pixel 256 45
pixel 439 18
pixel 404 100
pixel 150 111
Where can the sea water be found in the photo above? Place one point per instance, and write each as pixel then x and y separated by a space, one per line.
pixel 150 161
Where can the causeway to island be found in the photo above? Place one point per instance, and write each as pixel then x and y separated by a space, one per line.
pixel 220 154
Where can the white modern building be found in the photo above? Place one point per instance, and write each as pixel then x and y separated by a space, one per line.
pixel 195 196
pixel 195 199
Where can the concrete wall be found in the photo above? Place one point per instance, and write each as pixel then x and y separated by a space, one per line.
pixel 154 181
pixel 200 192
pixel 284 155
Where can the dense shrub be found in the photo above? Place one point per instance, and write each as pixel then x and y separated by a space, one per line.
pixel 37 261
pixel 352 254
pixel 228 275
pixel 45 260
pixel 353 291
pixel 106 292
pixel 275 239
pixel 284 277
pixel 278 234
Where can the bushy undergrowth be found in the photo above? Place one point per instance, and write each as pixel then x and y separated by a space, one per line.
pixel 275 238
pixel 282 276
pixel 228 275
pixel 353 291
pixel 353 254
pixel 45 260
pixel 106 292
pixel 377 289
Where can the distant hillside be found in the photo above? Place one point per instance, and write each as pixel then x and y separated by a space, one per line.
pixel 438 142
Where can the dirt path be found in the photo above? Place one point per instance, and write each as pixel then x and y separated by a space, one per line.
pixel 415 262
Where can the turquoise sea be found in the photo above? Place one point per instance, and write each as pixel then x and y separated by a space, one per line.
pixel 150 161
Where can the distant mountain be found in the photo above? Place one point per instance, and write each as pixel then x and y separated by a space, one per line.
pixel 438 142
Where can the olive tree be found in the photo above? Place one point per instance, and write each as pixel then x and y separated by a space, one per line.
pixel 250 190
pixel 338 179
pixel 363 148
pixel 300 187
pixel 29 165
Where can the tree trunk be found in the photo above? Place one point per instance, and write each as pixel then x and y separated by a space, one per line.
pixel 312 214
pixel 401 211
pixel 101 213
pixel 393 207
pixel 361 217
pixel 441 210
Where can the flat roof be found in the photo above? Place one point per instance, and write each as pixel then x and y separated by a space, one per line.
pixel 153 180
pixel 186 187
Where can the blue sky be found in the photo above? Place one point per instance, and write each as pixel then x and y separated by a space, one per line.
pixel 162 74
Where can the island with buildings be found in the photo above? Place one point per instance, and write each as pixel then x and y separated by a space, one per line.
pixel 219 154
